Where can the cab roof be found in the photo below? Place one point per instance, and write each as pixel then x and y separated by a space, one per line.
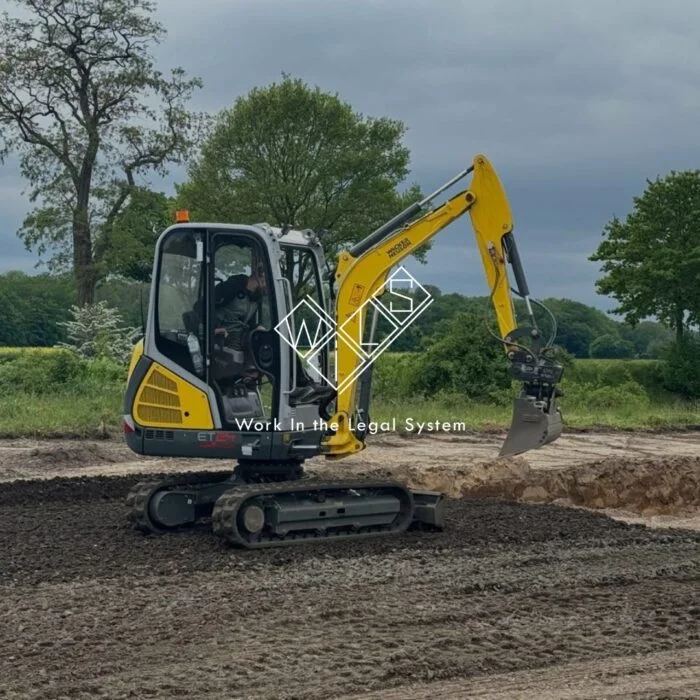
pixel 292 236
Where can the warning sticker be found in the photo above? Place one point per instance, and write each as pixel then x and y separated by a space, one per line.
pixel 356 295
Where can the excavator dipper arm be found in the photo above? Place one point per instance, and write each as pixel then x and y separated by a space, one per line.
pixel 363 270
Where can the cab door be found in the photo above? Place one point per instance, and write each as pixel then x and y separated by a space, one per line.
pixel 311 327
pixel 244 348
pixel 301 268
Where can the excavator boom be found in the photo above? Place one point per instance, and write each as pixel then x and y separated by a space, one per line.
pixel 362 272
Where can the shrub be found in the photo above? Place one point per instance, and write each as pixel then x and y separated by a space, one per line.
pixel 106 371
pixel 614 374
pixel 10 354
pixel 600 397
pixel 628 395
pixel 391 377
pixel 60 371
pixel 38 372
pixel 465 359
pixel 681 370
pixel 97 331
pixel 562 356
pixel 646 373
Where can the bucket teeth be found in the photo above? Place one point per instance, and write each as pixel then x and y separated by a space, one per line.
pixel 532 427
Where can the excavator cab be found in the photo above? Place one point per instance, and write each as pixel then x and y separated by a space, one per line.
pixel 218 372
pixel 254 353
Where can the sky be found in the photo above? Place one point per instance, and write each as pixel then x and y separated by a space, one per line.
pixel 576 104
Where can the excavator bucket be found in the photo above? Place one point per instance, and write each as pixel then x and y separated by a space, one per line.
pixel 531 427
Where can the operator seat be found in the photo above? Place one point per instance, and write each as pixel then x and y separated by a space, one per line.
pixel 309 391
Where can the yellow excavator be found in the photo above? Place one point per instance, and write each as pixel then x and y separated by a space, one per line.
pixel 252 354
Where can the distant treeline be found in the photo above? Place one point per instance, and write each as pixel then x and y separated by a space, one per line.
pixel 33 306
pixel 583 331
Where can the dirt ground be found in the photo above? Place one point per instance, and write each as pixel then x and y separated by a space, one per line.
pixel 650 478
pixel 532 590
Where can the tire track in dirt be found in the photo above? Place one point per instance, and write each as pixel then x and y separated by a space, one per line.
pixel 674 674
pixel 91 609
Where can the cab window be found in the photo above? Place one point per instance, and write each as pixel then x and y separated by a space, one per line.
pixel 180 289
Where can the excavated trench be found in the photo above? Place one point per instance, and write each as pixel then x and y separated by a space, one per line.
pixel 644 474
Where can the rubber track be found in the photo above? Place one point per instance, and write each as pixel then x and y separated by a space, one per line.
pixel 141 494
pixel 228 505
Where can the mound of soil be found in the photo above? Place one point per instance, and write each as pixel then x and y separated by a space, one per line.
pixel 64 454
pixel 650 487
pixel 501 478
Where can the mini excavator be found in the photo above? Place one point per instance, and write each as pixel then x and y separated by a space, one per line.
pixel 251 354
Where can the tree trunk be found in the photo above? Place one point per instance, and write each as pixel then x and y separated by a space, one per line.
pixel 679 324
pixel 83 268
pixel 83 259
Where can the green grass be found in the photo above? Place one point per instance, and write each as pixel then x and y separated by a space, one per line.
pixel 477 416
pixel 61 415
pixel 12 350
pixel 609 394
pixel 474 416
pixel 8 354
pixel 90 416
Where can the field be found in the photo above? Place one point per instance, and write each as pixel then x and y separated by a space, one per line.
pixel 570 572
pixel 48 394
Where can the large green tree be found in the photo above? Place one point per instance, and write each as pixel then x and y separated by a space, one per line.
pixel 578 324
pixel 651 260
pixel 88 113
pixel 648 338
pixel 292 155
pixel 611 346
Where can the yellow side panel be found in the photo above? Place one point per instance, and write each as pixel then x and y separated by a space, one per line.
pixel 135 357
pixel 165 400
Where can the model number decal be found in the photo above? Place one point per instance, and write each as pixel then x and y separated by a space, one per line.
pixel 396 249
pixel 216 439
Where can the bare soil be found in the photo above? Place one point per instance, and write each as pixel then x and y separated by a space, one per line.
pixel 522 596
pixel 653 478
pixel 27 458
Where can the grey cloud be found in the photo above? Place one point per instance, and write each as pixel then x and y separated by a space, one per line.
pixel 575 103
